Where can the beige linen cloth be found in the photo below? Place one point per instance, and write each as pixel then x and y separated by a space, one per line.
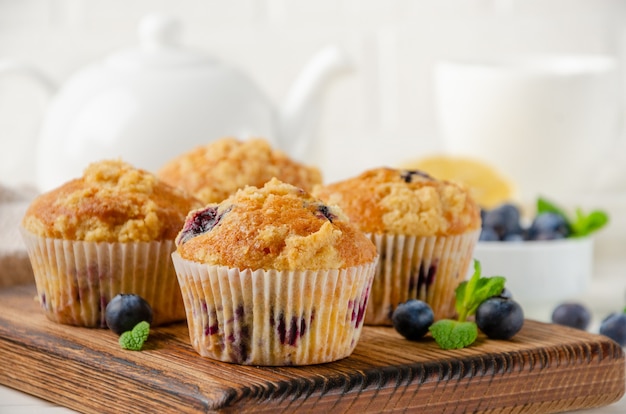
pixel 15 267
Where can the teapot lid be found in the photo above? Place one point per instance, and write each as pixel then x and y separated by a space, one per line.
pixel 159 47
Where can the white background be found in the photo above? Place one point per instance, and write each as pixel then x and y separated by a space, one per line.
pixel 380 113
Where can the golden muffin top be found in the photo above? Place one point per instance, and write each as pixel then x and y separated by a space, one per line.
pixel 278 226
pixel 215 171
pixel 409 202
pixel 111 202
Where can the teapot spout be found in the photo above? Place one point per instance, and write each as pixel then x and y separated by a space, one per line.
pixel 300 114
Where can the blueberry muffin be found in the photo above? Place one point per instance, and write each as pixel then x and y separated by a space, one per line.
pixel 216 170
pixel 110 231
pixel 272 276
pixel 425 231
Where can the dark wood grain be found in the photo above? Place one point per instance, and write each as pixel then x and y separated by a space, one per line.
pixel 546 368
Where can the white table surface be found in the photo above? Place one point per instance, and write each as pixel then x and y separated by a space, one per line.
pixel 606 295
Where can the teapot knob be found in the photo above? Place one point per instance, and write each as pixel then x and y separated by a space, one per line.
pixel 158 31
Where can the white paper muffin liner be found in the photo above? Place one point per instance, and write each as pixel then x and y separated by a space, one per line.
pixel 75 279
pixel 273 317
pixel 424 268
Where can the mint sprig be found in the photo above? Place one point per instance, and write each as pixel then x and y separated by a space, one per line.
pixel 471 293
pixel 582 224
pixel 133 340
pixel 460 333
pixel 451 334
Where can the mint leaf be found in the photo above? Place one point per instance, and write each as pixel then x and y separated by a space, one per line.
pixel 451 334
pixel 464 291
pixel 586 224
pixel 486 288
pixel 470 294
pixel 133 340
pixel 545 206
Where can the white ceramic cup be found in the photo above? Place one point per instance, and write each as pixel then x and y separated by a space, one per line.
pixel 547 122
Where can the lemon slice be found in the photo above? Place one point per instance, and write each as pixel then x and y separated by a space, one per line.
pixel 488 186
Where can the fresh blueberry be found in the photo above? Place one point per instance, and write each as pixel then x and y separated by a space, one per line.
pixel 125 311
pixel 548 226
pixel 614 326
pixel 499 318
pixel 488 234
pixel 504 220
pixel 573 315
pixel 412 319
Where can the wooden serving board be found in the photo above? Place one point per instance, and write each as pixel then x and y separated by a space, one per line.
pixel 545 368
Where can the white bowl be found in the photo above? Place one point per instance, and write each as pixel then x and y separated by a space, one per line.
pixel 540 272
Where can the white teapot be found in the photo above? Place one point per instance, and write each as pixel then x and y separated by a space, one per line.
pixel 151 103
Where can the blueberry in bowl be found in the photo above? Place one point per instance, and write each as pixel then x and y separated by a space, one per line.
pixel 549 226
pixel 547 258
pixel 504 220
pixel 550 222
